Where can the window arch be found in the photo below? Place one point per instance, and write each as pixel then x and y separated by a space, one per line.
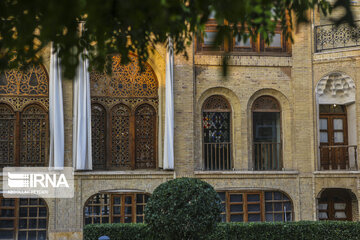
pixel 24 123
pixel 123 207
pixel 23 218
pixel 256 206
pixel 216 122
pixel 129 97
pixel 267 143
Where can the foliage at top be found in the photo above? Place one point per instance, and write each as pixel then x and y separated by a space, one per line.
pixel 118 26
pixel 183 208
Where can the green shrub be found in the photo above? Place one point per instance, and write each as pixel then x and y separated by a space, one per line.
pixel 116 231
pixel 240 231
pixel 183 208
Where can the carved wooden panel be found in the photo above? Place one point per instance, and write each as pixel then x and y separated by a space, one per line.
pixel 125 80
pixel 33 136
pixel 145 137
pixel 98 136
pixel 266 104
pixel 120 136
pixel 33 81
pixel 7 135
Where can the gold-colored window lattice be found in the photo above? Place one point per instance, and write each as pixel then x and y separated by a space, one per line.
pixel 125 81
pixel 24 117
pixel 124 116
pixel 33 81
pixel 266 104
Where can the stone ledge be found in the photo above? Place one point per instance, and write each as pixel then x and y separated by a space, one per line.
pixel 337 174
pixel 246 174
pixel 240 60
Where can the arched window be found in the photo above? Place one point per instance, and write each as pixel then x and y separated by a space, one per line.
pixel 127 207
pixel 24 117
pixel 256 206
pixel 266 118
pixel 216 122
pixel 130 98
pixel 23 218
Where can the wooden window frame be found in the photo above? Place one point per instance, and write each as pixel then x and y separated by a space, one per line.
pixel 111 204
pixel 258 45
pixel 226 213
pixel 18 129
pixel 331 201
pixel 16 229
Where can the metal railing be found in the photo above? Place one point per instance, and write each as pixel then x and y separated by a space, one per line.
pixel 338 157
pixel 330 36
pixel 217 156
pixel 267 156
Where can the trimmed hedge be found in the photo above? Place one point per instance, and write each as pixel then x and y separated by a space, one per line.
pixel 245 231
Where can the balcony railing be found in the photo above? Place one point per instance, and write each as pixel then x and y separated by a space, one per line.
pixel 340 157
pixel 217 156
pixel 267 156
pixel 330 36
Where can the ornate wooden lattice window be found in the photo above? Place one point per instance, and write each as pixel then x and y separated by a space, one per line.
pixel 124 116
pixel 115 208
pixel 24 124
pixel 255 206
pixel 216 122
pixel 267 147
pixel 24 218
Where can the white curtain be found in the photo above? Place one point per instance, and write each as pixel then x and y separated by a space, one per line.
pixel 169 109
pixel 82 118
pixel 56 113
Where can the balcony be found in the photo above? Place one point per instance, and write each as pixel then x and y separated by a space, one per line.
pixel 339 157
pixel 267 156
pixel 330 37
pixel 217 156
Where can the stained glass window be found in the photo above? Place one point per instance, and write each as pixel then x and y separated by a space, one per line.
pixel 216 119
pixel 24 107
pixel 130 98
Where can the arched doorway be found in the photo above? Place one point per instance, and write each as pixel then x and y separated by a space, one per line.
pixel 335 95
pixel 336 204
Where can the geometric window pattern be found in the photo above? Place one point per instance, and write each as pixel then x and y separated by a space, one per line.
pixel 216 123
pixel 115 208
pixel 24 218
pixel 24 117
pixel 251 206
pixel 124 116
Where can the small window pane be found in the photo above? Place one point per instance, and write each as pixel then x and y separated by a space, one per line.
pixel 338 124
pixel 236 208
pixel 268 195
pixel 128 219
pixel 340 215
pixel 209 38
pixel 242 43
pixel 253 207
pixel 254 217
pixel 6 223
pixel 269 217
pixel 338 137
pixel 278 206
pixel 236 218
pixel 339 206
pixel 323 137
pixel 7 213
pixel 323 215
pixel 9 234
pixel 116 210
pixel 236 198
pixel 253 197
pixel 276 41
pixel 278 217
pixel 222 196
pixel 268 207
